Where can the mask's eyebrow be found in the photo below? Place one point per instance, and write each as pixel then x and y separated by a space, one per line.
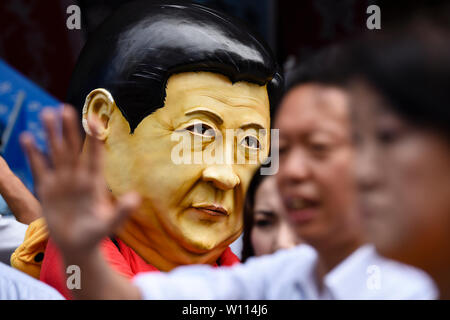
pixel 236 101
pixel 207 113
pixel 254 125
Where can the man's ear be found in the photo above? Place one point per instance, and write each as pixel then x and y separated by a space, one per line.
pixel 99 103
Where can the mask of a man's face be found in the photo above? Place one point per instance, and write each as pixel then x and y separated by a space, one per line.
pixel 198 206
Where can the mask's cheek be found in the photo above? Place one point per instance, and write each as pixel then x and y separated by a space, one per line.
pixel 119 169
pixel 245 173
pixel 169 187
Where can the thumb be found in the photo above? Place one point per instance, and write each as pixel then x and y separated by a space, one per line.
pixel 125 205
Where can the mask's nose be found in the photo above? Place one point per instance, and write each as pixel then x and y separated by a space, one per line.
pixel 223 177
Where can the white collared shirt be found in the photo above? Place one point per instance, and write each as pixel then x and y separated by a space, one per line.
pixel 289 274
pixel 365 275
pixel 16 285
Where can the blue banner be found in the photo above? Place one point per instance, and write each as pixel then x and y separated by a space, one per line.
pixel 21 102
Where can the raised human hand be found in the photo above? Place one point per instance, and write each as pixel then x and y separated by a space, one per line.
pixel 24 206
pixel 76 203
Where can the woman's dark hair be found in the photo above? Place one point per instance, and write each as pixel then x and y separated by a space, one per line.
pixel 249 215
pixel 135 51
pixel 410 67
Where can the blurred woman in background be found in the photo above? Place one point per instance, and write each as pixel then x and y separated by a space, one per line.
pixel 266 228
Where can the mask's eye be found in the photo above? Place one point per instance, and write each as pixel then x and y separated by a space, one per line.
pixel 201 129
pixel 251 143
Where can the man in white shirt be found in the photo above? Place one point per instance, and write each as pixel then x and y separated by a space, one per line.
pixel 291 274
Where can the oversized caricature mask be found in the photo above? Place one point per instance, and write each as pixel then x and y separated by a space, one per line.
pixel 158 76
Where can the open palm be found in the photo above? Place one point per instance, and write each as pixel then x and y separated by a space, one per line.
pixel 75 200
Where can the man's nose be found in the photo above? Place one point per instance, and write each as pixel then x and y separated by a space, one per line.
pixel 294 168
pixel 365 170
pixel 222 176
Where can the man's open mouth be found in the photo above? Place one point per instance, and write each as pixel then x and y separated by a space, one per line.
pixel 298 203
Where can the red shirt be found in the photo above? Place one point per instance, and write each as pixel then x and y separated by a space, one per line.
pixel 121 258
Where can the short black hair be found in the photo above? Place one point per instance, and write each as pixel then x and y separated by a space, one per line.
pixel 134 52
pixel 409 65
pixel 328 66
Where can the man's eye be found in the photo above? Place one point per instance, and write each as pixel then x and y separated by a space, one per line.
pixel 201 129
pixel 320 147
pixel 251 142
pixel 387 136
pixel 283 148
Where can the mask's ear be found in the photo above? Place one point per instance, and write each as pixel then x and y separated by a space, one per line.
pixel 100 103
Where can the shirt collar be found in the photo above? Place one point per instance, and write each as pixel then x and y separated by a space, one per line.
pixel 352 270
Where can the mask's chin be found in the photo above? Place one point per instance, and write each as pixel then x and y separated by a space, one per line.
pixel 198 237
pixel 206 246
pixel 200 243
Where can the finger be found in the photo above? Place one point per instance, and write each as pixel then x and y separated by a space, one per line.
pixel 71 134
pixel 125 205
pixel 38 164
pixel 54 141
pixel 94 148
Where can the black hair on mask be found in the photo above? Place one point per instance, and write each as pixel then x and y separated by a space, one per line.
pixel 135 51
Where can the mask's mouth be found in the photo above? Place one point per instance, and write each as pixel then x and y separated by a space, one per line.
pixel 212 209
